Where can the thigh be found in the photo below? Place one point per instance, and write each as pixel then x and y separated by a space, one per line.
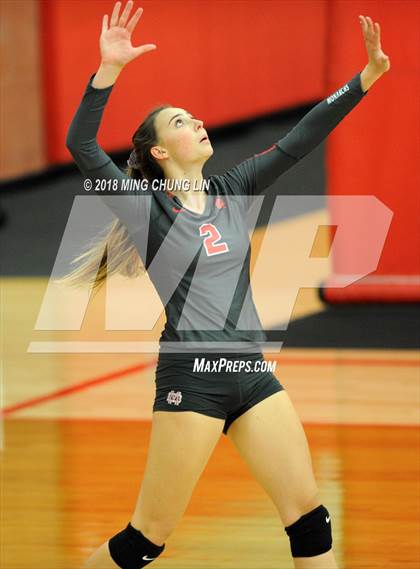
pixel 252 390
pixel 180 446
pixel 271 439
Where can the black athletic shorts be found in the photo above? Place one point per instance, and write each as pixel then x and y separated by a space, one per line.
pixel 212 391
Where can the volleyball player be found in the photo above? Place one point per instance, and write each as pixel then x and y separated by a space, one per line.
pixel 192 408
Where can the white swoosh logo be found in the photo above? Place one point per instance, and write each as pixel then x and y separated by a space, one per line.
pixel 145 558
pixel 327 519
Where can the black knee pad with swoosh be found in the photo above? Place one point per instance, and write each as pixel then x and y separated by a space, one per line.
pixel 130 549
pixel 311 534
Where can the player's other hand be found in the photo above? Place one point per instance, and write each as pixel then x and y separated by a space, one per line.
pixel 115 41
pixel 378 61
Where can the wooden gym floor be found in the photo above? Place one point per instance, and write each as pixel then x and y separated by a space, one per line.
pixel 75 436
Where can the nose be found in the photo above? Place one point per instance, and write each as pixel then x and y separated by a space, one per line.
pixel 199 124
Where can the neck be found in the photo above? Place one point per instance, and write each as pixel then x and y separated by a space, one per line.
pixel 193 174
pixel 194 178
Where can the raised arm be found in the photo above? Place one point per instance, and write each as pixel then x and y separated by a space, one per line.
pixel 81 139
pixel 324 117
pixel 255 174
pixel 94 163
pixel 116 51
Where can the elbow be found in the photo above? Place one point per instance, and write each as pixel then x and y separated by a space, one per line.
pixel 81 146
pixel 71 144
pixel 74 141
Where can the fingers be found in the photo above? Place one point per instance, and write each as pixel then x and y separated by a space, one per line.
pixel 125 14
pixel 363 23
pixel 133 22
pixel 122 21
pixel 144 49
pixel 368 26
pixel 105 23
pixel 378 30
pixel 115 12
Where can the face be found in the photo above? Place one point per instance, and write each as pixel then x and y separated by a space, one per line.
pixel 182 138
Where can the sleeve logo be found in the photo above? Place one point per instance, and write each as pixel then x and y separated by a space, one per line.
pixel 337 94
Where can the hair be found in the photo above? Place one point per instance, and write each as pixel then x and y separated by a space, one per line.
pixel 125 259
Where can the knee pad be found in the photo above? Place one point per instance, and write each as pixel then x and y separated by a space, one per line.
pixel 130 549
pixel 311 534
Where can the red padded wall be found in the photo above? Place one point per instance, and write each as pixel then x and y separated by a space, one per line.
pixel 377 150
pixel 223 61
pixel 228 60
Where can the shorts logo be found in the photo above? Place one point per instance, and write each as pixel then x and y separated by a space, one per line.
pixel 174 397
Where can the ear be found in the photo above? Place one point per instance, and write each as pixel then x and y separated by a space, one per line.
pixel 158 152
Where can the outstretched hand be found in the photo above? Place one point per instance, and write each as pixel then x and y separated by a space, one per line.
pixel 378 61
pixel 115 41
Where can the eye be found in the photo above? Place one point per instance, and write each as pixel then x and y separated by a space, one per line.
pixel 179 120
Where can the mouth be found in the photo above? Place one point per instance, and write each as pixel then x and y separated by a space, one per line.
pixel 204 139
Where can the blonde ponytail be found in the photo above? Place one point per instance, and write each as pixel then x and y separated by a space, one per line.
pixel 96 263
pixel 125 258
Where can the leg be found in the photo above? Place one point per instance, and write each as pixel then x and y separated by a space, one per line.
pixel 271 439
pixel 180 445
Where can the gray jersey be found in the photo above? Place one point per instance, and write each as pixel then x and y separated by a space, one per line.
pixel 199 263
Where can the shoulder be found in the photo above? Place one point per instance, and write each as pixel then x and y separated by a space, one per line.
pixel 238 180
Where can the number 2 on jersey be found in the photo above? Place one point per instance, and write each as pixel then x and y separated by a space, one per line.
pixel 210 242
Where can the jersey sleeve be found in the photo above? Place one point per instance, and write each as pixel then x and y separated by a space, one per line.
pixel 94 163
pixel 255 174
